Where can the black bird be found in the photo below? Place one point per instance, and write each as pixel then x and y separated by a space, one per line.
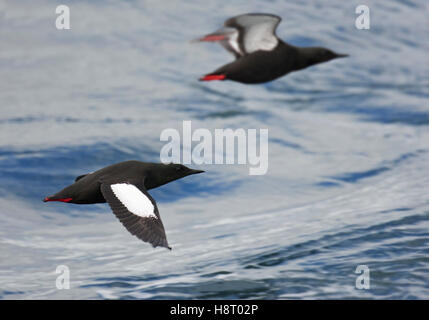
pixel 260 55
pixel 124 186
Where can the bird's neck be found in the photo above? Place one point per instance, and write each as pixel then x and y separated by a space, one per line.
pixel 296 58
pixel 306 56
pixel 155 180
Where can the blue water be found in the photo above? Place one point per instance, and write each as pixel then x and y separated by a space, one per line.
pixel 348 177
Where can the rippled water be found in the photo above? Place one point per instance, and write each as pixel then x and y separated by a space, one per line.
pixel 348 175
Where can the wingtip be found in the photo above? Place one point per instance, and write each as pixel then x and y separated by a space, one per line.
pixel 162 246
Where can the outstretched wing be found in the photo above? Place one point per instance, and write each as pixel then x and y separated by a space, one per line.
pixel 256 31
pixel 137 211
pixel 230 42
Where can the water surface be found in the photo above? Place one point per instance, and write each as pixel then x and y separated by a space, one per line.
pixel 348 176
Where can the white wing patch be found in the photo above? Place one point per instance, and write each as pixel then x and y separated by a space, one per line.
pixel 259 31
pixel 260 37
pixel 134 200
pixel 231 42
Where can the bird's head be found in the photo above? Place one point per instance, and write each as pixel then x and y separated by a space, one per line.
pixel 169 172
pixel 317 55
pixel 177 171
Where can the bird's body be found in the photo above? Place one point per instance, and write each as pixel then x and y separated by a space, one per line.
pixel 86 189
pixel 249 69
pixel 124 186
pixel 260 55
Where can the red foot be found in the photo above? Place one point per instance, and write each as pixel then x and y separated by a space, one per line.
pixel 213 38
pixel 61 200
pixel 212 77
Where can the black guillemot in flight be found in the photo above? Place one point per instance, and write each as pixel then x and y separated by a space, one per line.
pixel 124 187
pixel 260 55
